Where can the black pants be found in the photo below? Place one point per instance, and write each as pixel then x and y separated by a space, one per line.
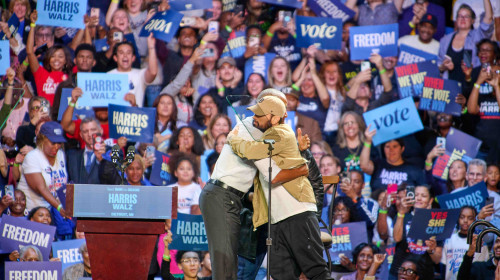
pixel 297 248
pixel 221 214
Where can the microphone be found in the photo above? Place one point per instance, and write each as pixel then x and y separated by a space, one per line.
pixel 115 154
pixel 130 154
pixel 269 141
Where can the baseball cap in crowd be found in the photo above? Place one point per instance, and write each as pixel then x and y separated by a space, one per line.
pixel 226 59
pixel 293 93
pixel 430 19
pixel 53 131
pixel 269 105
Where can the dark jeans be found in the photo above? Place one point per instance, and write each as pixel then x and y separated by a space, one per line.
pixel 221 214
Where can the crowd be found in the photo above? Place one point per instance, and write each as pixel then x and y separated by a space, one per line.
pixel 192 82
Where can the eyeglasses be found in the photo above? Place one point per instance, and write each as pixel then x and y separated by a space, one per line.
pixel 407 271
pixel 340 211
pixel 475 175
pixel 463 17
pixel 190 261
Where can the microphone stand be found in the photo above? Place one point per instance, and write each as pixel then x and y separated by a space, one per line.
pixel 269 240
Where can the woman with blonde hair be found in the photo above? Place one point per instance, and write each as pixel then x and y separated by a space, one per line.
pixel 218 125
pixel 279 73
pixel 350 138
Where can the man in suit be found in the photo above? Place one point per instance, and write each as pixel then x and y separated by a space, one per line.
pixel 308 125
pixel 83 164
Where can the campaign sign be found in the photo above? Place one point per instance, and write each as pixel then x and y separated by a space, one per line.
pixel 241 111
pixel 13 24
pixel 164 25
pixel 61 195
pixel 383 272
pixel 409 55
pixel 258 64
pixel 68 252
pixel 4 56
pixel 410 78
pixel 286 3
pixel 137 124
pixel 381 39
pixel 474 196
pixel 439 223
pixel 160 174
pixel 80 112
pixel 236 45
pixel 61 13
pixel 188 233
pixel 345 238
pixel 33 270
pixel 324 33
pixel 394 120
pixel 439 95
pixel 188 5
pixel 101 89
pixel 331 9
pixel 459 146
pixel 16 233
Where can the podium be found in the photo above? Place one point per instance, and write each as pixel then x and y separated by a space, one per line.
pixel 121 225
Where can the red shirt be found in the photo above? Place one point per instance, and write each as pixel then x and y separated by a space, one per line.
pixel 76 135
pixel 47 82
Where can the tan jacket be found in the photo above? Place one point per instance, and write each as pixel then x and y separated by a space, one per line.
pixel 286 155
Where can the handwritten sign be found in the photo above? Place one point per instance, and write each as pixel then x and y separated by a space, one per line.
pixel 101 89
pixel 258 64
pixel 324 33
pixel 68 252
pixel 33 270
pixel 331 8
pixel 409 55
pixel 137 124
pixel 394 120
pixel 410 78
pixel 439 95
pixel 474 196
pixel 433 222
pixel 188 233
pixel 164 25
pixel 61 13
pixel 380 39
pixel 160 173
pixel 16 233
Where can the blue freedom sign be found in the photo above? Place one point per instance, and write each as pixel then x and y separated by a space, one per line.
pixel 331 9
pixel 380 39
pixel 427 223
pixel 68 252
pixel 324 33
pixel 61 13
pixel 33 270
pixel 188 5
pixel 101 89
pixel 439 96
pixel 188 233
pixel 409 55
pixel 394 120
pixel 474 196
pixel 164 25
pixel 286 3
pixel 410 78
pixel 137 124
pixel 80 112
pixel 4 56
pixel 258 64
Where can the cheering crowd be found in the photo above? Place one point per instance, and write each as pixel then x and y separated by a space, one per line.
pixel 195 79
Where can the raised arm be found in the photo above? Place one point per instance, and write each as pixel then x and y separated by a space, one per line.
pixel 113 6
pixel 488 12
pixel 67 118
pixel 351 4
pixel 364 160
pixel 30 45
pixel 323 94
pixel 152 69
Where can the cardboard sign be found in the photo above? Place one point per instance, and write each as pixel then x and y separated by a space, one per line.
pixel 33 270
pixel 188 5
pixel 4 57
pixel 381 39
pixel 409 55
pixel 236 45
pixel 68 252
pixel 61 13
pixel 16 233
pixel 324 33
pixel 258 64
pixel 394 120
pixel 345 238
pixel 101 89
pixel 474 196
pixel 439 96
pixel 13 24
pixel 331 9
pixel 160 173
pixel 410 78
pixel 137 124
pixel 286 3
pixel 427 223
pixel 164 25
pixel 459 145
pixel 188 233
pixel 80 112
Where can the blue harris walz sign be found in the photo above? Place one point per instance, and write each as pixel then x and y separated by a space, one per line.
pixel 325 33
pixel 101 89
pixel 474 196
pixel 164 25
pixel 61 13
pixel 331 9
pixel 380 39
pixel 188 233
pixel 4 56
pixel 137 124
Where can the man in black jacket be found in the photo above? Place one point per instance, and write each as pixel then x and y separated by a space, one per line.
pixel 480 270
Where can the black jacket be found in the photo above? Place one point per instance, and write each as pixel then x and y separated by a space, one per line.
pixel 478 270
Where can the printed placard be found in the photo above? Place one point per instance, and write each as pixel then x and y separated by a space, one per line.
pixel 286 3
pixel 33 270
pixel 188 5
pixel 331 9
pixel 258 64
pixel 345 238
pixel 13 24
pixel 188 233
pixel 324 33
pixel 474 196
pixel 164 25
pixel 4 56
pixel 439 223
pixel 80 112
pixel 394 120
pixel 160 173
pixel 439 95
pixel 383 272
pixel 236 45
pixel 101 89
pixel 410 78
pixel 380 39
pixel 68 252
pixel 61 13
pixel 137 124
pixel 409 55
pixel 17 233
